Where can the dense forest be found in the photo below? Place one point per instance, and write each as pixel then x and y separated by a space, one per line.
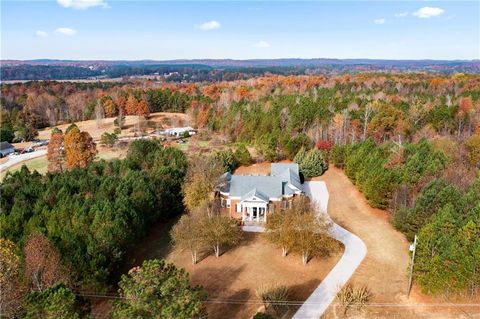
pixel 90 216
pixel 409 141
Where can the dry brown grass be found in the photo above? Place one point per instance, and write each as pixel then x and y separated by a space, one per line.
pixel 160 120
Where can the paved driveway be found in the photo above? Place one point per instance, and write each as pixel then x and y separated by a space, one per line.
pixel 355 251
pixel 15 159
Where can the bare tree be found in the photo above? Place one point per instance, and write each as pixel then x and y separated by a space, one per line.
pixel 367 112
pixel 99 114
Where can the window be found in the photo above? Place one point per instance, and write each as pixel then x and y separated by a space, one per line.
pixel 290 204
pixel 271 207
pixel 229 203
pixel 238 208
pixel 283 204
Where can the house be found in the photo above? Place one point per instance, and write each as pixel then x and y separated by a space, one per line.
pixel 6 148
pixel 252 198
pixel 179 131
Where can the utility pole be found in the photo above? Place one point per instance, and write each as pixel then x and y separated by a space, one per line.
pixel 413 248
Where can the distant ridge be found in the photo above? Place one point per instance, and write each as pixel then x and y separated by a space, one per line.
pixel 239 63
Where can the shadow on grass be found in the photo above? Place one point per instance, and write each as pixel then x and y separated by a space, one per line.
pixel 157 244
pixel 221 302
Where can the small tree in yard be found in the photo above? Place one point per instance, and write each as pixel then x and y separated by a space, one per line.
pixel 274 297
pixel 109 139
pixel 220 231
pixel 227 160
pixel 202 178
pixel 311 163
pixel 300 229
pixel 242 155
pixel 187 235
pixel 159 290
pixel 350 296
pixel 279 230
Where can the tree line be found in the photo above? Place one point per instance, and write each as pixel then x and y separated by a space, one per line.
pixel 419 183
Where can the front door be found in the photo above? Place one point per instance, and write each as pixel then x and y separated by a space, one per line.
pixel 255 212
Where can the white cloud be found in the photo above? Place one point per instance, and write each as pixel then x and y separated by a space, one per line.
pixel 65 31
pixel 379 21
pixel 209 25
pixel 41 34
pixel 401 14
pixel 82 4
pixel 262 44
pixel 428 12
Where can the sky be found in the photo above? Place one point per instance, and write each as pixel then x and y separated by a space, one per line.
pixel 160 30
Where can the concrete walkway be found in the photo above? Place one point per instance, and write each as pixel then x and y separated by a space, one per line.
pixel 355 251
pixel 15 159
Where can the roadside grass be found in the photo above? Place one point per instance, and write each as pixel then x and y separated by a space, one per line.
pixel 40 164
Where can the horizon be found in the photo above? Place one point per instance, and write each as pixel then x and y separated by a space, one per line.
pixel 102 30
pixel 232 59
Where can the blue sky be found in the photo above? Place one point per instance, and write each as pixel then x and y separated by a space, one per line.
pixel 131 30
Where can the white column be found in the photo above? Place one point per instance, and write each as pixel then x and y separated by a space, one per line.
pixel 243 212
pixel 250 212
pixel 266 212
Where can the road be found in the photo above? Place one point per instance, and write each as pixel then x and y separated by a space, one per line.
pixel 355 251
pixel 15 159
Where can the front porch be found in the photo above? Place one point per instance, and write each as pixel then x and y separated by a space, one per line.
pixel 254 212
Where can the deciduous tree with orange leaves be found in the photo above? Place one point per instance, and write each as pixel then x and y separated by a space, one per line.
pixel 80 149
pixel 56 151
pixel 142 109
pixel 131 106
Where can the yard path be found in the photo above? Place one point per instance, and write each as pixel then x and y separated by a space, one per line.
pixel 355 251
pixel 15 159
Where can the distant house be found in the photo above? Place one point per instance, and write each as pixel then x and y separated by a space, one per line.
pixel 252 198
pixel 6 148
pixel 179 131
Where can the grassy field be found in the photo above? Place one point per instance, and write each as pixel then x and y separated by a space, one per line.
pixel 40 164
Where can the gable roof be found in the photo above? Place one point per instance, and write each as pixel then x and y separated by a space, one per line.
pixel 254 193
pixel 284 180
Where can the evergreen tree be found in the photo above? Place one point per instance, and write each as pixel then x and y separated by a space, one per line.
pixel 158 290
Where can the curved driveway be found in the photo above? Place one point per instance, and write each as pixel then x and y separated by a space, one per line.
pixel 355 251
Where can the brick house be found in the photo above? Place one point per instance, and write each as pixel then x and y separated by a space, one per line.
pixel 251 198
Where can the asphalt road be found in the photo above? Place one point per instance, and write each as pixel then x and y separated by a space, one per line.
pixel 15 159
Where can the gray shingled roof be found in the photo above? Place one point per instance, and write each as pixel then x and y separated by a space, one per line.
pixel 265 187
pixel 255 192
pixel 279 168
pixel 270 186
